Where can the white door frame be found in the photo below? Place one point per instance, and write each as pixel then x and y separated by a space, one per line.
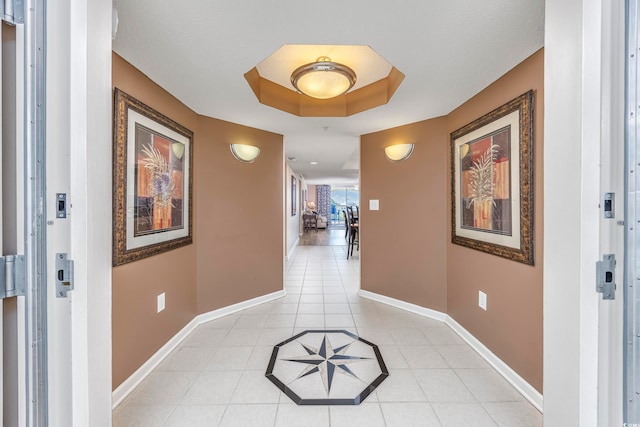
pixel 80 33
pixel 579 94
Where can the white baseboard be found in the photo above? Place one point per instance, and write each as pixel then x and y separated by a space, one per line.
pixel 128 385
pixel 528 391
pixel 413 308
pixel 124 389
pixel 293 248
pixel 230 309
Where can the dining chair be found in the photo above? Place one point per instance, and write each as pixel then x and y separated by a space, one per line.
pixel 353 232
pixel 346 224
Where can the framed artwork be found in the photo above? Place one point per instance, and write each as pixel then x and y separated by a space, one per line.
pixel 294 193
pixel 492 182
pixel 152 181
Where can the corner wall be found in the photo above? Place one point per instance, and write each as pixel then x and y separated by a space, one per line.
pixel 138 330
pixel 406 250
pixel 403 245
pixel 237 220
pixel 239 210
pixel 512 325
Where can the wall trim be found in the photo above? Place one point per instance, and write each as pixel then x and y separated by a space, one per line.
pixel 520 384
pixel 407 306
pixel 230 309
pixel 527 390
pixel 293 249
pixel 128 385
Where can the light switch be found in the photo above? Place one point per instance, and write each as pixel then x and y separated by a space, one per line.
pixel 161 300
pixel 482 300
pixel 374 205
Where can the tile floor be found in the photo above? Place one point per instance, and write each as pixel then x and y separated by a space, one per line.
pixel 216 377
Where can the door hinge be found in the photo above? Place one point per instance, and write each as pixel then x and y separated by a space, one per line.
pixel 64 275
pixel 12 11
pixel 606 276
pixel 12 276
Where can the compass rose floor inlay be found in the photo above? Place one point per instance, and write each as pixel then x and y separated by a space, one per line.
pixel 326 367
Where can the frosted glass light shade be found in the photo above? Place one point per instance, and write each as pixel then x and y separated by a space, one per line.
pixel 245 153
pixel 399 152
pixel 323 79
pixel 178 149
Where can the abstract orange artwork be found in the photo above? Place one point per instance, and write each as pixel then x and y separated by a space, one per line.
pixel 486 184
pixel 152 181
pixel 492 182
pixel 159 174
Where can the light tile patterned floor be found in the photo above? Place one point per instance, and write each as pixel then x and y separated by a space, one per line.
pixel 216 377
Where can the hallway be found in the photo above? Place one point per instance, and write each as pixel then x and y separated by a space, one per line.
pixel 334 235
pixel 216 377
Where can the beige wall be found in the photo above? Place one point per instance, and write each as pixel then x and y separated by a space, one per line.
pixel 237 221
pixel 406 251
pixel 403 245
pixel 138 331
pixel 239 207
pixel 512 325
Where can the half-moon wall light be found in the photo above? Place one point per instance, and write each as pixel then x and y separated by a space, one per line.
pixel 398 152
pixel 245 153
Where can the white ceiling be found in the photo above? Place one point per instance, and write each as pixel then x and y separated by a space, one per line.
pixel 450 50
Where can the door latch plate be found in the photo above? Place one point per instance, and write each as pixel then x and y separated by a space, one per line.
pixel 64 275
pixel 606 276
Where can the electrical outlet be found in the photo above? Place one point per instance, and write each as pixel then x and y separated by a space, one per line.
pixel 160 302
pixel 482 300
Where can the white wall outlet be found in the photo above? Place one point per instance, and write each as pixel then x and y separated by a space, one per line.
pixel 160 302
pixel 374 205
pixel 482 300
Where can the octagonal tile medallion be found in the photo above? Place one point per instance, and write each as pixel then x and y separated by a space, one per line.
pixel 326 367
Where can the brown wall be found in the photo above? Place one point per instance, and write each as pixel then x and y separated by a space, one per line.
pixel 239 207
pixel 138 331
pixel 237 221
pixel 512 325
pixel 406 250
pixel 403 250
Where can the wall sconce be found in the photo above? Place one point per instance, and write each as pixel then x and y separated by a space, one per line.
pixel 398 152
pixel 178 149
pixel 245 153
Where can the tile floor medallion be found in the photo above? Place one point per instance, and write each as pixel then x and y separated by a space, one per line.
pixel 326 367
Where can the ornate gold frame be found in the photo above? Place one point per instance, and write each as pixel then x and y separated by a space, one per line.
pixel 123 104
pixel 522 250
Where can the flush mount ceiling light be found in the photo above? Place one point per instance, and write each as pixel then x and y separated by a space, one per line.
pixel 398 152
pixel 323 79
pixel 245 153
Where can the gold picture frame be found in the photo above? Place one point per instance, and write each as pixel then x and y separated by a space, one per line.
pixel 492 182
pixel 152 181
